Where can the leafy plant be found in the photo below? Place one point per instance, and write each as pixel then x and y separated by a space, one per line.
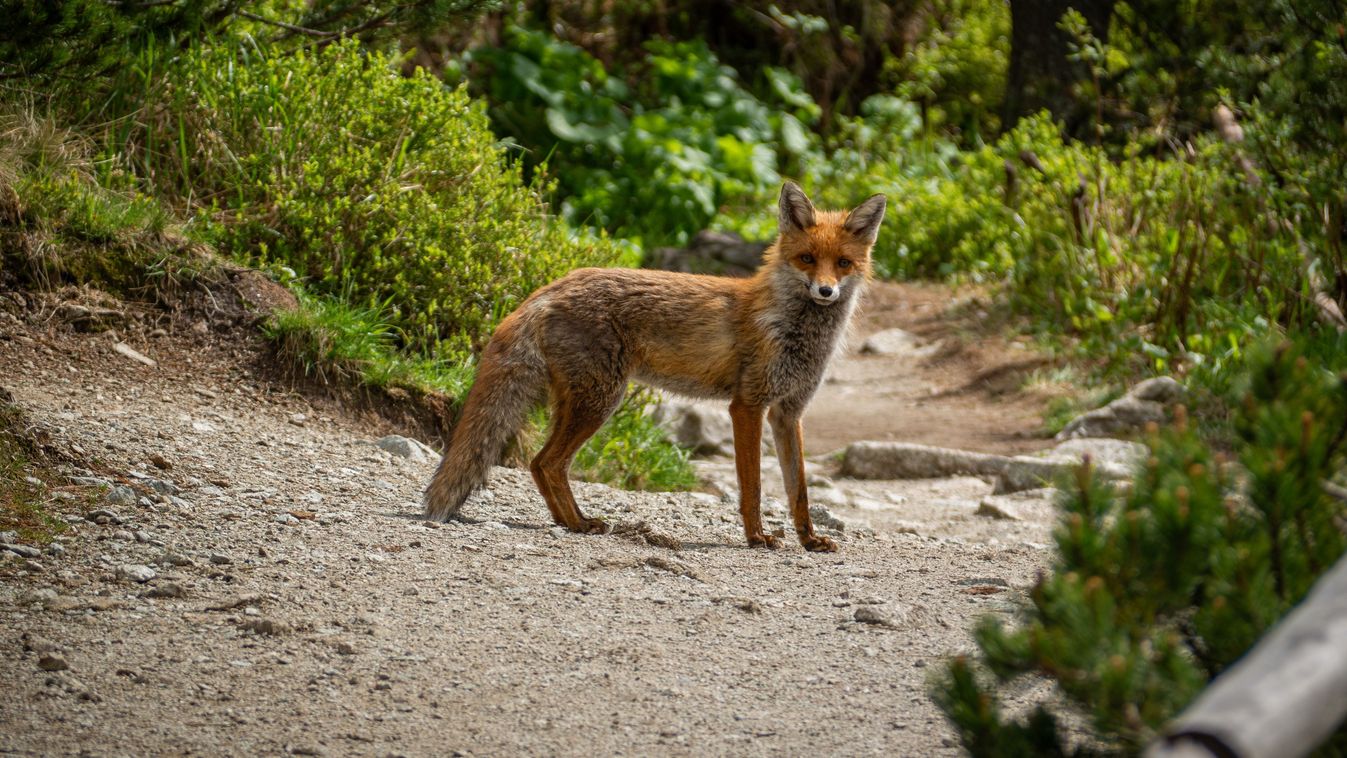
pixel 1160 588
pixel 387 189
pixel 652 161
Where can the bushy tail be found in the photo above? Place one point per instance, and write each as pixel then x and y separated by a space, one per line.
pixel 510 380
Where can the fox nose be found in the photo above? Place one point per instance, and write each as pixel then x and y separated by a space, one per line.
pixel 825 291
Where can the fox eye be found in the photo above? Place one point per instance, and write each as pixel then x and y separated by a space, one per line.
pixel 843 263
pixel 806 258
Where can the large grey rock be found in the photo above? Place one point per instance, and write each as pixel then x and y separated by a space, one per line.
pixel 1103 451
pixel 405 447
pixel 1146 403
pixel 903 460
pixel 704 429
pixel 710 252
pixel 896 342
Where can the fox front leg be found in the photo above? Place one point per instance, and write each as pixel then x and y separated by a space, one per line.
pixel 747 419
pixel 788 431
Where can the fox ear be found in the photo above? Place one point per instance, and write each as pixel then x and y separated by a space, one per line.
pixel 796 212
pixel 864 221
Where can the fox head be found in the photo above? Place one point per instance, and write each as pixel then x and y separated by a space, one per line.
pixel 827 253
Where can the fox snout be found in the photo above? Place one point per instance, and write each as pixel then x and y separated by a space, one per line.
pixel 825 293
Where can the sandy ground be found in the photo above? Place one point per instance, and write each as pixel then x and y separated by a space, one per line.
pixel 298 605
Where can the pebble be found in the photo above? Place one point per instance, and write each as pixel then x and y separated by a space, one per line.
pixel 167 589
pixel 135 572
pixel 51 662
pixel 869 614
pixel 56 549
pixel 220 559
pixel 176 559
pixel 26 551
pixel 103 516
pixel 119 494
pixel 123 535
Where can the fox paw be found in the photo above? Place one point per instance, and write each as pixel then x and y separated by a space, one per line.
pixel 593 526
pixel 816 544
pixel 764 540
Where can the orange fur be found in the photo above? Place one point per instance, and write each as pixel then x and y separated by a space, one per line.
pixel 761 343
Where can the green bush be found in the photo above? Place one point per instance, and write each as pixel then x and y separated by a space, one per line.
pixel 388 190
pixel 1159 589
pixel 652 162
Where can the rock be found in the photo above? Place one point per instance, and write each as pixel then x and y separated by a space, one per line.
pixel 167 589
pixel 32 643
pixel 176 559
pixel 1146 403
pixel 41 595
pixel 162 486
pixel 135 572
pixel 119 495
pixel 103 516
pixel 896 342
pixel 710 252
pixel 56 549
pixel 405 447
pixel 344 648
pixel 1103 451
pixel 702 428
pixel 160 462
pixel 25 551
pixel 825 518
pixel 870 614
pixel 133 354
pixel 220 559
pixel 829 497
pixel 52 662
pixel 1160 389
pixel 903 460
pixel 269 627
pixel 9 536
pixel 988 509
pixel 123 535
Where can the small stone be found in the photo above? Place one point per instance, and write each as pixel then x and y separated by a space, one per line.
pixel 988 509
pixel 167 589
pixel 405 447
pixel 143 537
pixel 869 614
pixel 344 648
pixel 120 494
pixel 160 462
pixel 103 516
pixel 269 627
pixel 51 662
pixel 135 572
pixel 297 419
pixel 825 518
pixel 25 551
pixel 123 535
pixel 176 559
pixel 56 549
pixel 162 486
pixel 285 518
pixel 220 559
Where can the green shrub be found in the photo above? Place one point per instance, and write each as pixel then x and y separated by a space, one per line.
pixel 1159 589
pixel 631 451
pixel 957 70
pixel 654 161
pixel 387 189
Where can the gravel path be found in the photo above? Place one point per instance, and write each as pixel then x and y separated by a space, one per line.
pixel 273 591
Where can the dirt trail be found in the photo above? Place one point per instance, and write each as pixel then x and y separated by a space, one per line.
pixel 298 605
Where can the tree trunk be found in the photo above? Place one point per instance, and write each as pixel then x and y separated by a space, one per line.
pixel 1041 76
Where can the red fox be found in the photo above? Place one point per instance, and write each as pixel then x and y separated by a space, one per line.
pixel 762 343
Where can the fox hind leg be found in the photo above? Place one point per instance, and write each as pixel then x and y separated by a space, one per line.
pixel 576 415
